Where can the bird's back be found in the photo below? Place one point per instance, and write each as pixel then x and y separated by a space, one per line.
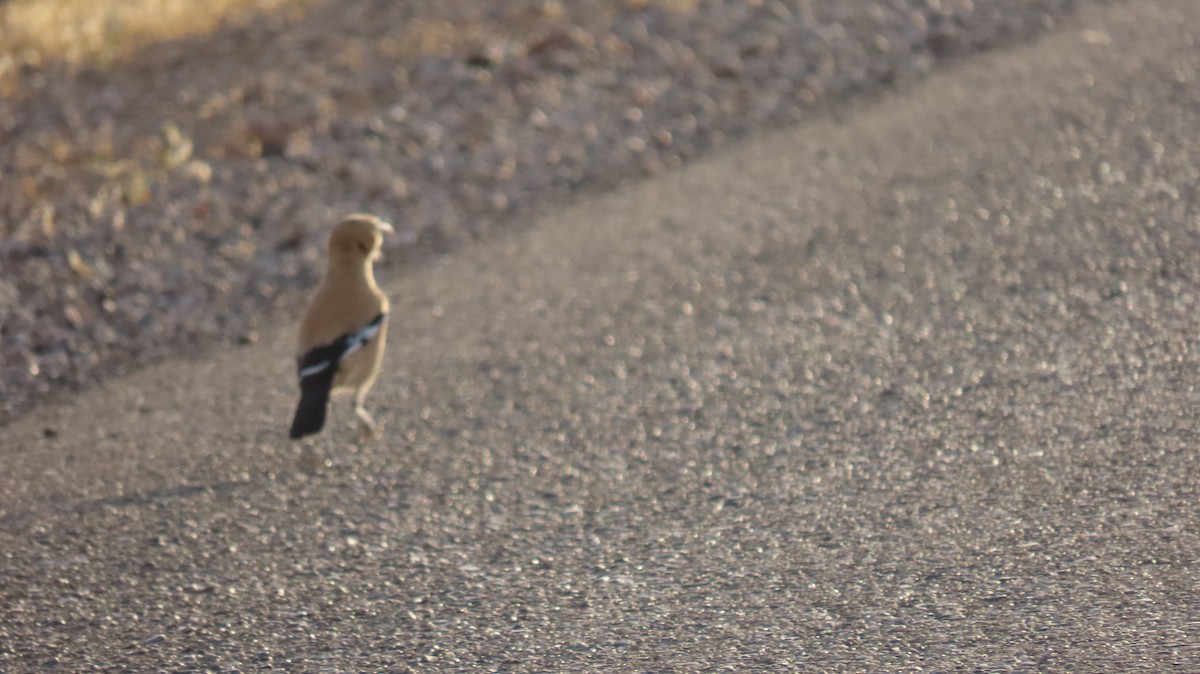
pixel 339 307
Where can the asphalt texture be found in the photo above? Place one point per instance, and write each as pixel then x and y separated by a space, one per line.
pixel 912 390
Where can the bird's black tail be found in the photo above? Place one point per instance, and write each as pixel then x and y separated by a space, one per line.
pixel 314 401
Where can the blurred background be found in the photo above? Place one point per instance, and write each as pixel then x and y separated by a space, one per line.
pixel 170 166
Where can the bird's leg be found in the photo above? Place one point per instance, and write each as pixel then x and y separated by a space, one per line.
pixel 330 424
pixel 366 424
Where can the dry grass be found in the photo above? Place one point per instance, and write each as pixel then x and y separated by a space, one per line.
pixel 96 32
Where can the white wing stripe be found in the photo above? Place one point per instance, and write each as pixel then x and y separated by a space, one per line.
pixel 353 341
pixel 313 369
pixel 359 339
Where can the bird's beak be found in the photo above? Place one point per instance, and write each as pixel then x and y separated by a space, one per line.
pixel 384 227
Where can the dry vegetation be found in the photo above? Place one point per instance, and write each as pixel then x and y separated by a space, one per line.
pixel 101 32
pixel 34 32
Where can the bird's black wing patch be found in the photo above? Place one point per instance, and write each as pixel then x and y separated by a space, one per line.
pixel 314 402
pixel 317 369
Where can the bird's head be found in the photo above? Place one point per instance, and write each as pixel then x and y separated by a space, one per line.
pixel 358 237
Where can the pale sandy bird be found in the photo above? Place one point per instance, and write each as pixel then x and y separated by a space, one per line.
pixel 343 334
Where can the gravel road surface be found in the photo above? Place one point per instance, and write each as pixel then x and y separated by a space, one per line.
pixel 910 391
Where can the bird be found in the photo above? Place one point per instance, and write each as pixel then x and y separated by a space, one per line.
pixel 343 333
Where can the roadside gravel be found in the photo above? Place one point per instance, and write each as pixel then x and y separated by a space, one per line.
pixel 180 199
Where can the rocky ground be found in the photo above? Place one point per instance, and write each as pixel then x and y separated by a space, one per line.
pixel 179 199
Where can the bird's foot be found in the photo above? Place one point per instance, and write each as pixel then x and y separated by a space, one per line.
pixel 366 424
